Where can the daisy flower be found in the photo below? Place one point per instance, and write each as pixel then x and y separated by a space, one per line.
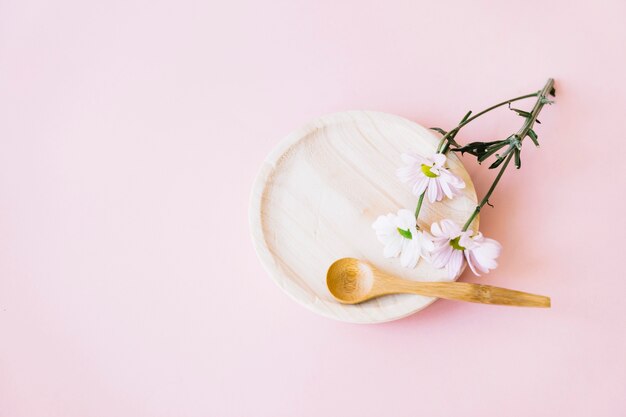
pixel 400 236
pixel 481 253
pixel 430 175
pixel 452 245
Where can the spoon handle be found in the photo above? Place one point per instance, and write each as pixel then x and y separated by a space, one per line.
pixel 474 293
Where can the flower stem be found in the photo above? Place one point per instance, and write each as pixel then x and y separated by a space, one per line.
pixel 541 101
pixel 451 137
pixel 444 143
pixel 454 131
pixel 419 207
pixel 521 134
pixel 485 199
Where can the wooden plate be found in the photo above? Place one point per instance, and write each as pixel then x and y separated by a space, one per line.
pixel 317 195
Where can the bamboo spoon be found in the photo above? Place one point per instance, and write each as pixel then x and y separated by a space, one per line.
pixel 352 281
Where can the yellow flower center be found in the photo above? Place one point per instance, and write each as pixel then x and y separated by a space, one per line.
pixel 426 170
pixel 455 243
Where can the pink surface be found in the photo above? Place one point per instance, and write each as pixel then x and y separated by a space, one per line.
pixel 130 135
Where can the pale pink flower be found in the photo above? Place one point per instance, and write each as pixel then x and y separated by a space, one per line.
pixel 481 253
pixel 452 245
pixel 448 253
pixel 400 236
pixel 431 175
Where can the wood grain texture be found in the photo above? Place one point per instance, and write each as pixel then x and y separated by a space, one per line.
pixel 317 195
pixel 353 281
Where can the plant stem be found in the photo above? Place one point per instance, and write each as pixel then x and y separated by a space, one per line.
pixel 521 134
pixel 440 147
pixel 451 137
pixel 444 143
pixel 419 207
pixel 530 121
pixel 486 197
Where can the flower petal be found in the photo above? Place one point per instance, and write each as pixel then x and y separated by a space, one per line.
pixel 450 229
pixel 455 182
pixel 384 225
pixel 435 229
pixel 439 159
pixel 466 240
pixel 410 254
pixel 405 174
pixel 420 185
pixel 441 255
pixel 426 242
pixel 405 219
pixel 483 254
pixel 455 264
pixel 443 182
pixel 411 158
pixel 393 248
pixel 432 190
pixel 471 261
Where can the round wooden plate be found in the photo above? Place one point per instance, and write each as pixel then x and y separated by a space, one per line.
pixel 317 195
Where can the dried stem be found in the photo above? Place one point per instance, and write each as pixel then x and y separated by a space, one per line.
pixel 520 135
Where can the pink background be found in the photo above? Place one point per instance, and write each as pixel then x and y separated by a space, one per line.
pixel 131 132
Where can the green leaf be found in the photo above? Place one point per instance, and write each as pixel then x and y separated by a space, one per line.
pixel 522 113
pixel 491 150
pixel 450 138
pixel 438 129
pixel 518 159
pixel 467 115
pixel 474 148
pixel 497 163
pixel 502 157
pixel 533 137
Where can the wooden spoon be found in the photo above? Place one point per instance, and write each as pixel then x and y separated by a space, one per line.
pixel 352 281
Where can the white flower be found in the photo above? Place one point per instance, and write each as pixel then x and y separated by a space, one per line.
pixel 430 175
pixel 452 244
pixel 400 236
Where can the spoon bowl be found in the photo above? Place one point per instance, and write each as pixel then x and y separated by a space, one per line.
pixel 352 281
